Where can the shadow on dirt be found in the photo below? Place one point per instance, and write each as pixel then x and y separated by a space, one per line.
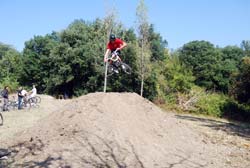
pixel 86 150
pixel 106 153
pixel 185 161
pixel 229 128
pixel 28 149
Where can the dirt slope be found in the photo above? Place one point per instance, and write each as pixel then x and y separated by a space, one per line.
pixel 18 120
pixel 120 130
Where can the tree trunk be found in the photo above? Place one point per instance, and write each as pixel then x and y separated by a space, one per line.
pixel 142 68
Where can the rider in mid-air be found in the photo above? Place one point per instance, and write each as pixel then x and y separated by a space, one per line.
pixel 114 44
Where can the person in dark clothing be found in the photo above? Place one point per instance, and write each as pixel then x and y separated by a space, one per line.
pixel 20 97
pixel 5 94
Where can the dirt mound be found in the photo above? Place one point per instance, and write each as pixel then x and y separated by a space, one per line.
pixel 114 130
pixel 19 120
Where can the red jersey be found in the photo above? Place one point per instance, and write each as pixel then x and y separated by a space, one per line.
pixel 114 45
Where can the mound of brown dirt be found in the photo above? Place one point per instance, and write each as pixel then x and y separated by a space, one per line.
pixel 19 120
pixel 115 130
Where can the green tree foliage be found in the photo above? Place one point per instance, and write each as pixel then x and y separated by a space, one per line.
pixel 72 61
pixel 245 45
pixel 10 63
pixel 236 111
pixel 179 78
pixel 155 82
pixel 211 104
pixel 204 60
pixel 169 77
pixel 36 61
pixel 241 83
pixel 143 43
pixel 228 65
pixel 157 45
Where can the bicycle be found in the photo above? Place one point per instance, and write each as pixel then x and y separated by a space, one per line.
pixel 115 63
pixel 30 102
pixel 37 99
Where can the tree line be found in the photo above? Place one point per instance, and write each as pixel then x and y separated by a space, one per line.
pixel 71 62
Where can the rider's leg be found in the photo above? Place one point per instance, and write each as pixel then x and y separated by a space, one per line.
pixel 19 102
pixel 5 104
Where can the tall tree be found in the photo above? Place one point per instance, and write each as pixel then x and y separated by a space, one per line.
pixel 203 59
pixel 245 45
pixel 10 63
pixel 108 25
pixel 144 48
pixel 157 45
pixel 241 84
pixel 76 61
pixel 228 65
pixel 36 60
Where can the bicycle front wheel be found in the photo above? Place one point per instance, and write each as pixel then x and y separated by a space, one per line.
pixel 110 70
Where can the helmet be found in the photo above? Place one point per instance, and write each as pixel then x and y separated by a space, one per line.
pixel 112 37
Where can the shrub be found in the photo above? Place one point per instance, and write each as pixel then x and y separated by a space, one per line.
pixel 211 104
pixel 11 82
pixel 236 111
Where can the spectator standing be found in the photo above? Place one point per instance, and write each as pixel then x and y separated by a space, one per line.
pixel 5 94
pixel 20 97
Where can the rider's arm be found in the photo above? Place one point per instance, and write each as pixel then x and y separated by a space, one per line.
pixel 106 55
pixel 122 46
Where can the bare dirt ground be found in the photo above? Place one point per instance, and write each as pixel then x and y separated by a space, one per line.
pixel 119 130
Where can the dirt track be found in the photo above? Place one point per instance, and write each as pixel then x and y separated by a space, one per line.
pixel 119 130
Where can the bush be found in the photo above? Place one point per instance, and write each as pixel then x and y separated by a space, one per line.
pixel 211 104
pixel 236 111
pixel 11 82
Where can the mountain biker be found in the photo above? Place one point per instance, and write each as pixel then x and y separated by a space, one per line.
pixel 114 44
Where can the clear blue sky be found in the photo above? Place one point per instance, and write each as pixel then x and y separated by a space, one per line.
pixel 222 22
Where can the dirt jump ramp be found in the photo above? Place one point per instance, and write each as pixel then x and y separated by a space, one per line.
pixel 114 130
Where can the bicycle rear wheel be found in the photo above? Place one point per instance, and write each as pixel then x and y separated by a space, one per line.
pixel 126 68
pixel 38 99
pixel 1 119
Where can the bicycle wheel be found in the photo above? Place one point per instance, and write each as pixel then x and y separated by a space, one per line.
pixel 126 68
pixel 1 119
pixel 32 103
pixel 38 99
pixel 110 70
pixel 13 105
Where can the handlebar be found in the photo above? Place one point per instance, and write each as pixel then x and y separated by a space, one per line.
pixel 114 56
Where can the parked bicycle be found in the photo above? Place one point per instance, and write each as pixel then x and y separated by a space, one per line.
pixel 30 102
pixel 37 99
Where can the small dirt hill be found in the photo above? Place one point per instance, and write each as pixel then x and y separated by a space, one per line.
pixel 117 130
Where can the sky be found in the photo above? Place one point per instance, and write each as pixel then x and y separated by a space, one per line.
pixel 221 22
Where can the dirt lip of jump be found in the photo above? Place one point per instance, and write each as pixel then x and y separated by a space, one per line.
pixel 122 130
